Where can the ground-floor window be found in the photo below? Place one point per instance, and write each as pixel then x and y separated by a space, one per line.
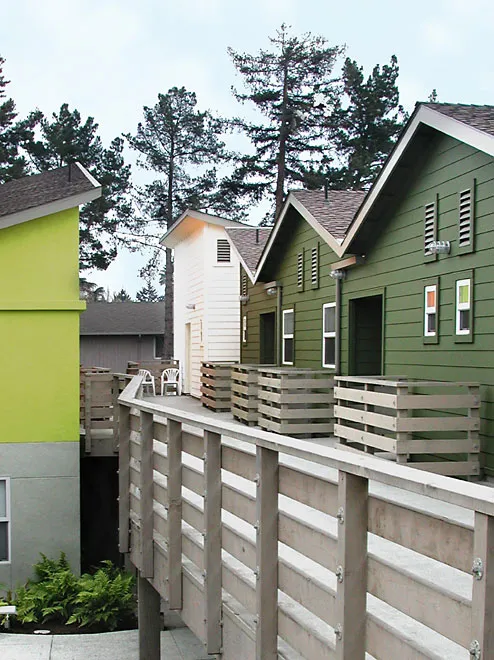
pixel 329 335
pixel 288 335
pixel 4 519
pixel 244 329
pixel 159 346
pixel 463 307
pixel 430 311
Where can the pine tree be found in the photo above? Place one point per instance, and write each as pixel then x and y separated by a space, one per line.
pixel 13 134
pixel 294 88
pixel 368 126
pixel 66 138
pixel 121 296
pixel 148 294
pixel 175 139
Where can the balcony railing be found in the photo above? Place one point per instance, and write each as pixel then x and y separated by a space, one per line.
pixel 272 547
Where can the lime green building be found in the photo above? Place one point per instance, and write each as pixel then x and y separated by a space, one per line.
pixel 39 367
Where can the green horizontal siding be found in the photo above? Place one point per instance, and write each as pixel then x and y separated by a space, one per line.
pixel 395 262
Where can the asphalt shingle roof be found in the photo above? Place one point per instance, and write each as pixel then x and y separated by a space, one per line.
pixel 123 318
pixel 480 117
pixel 39 189
pixel 249 243
pixel 335 212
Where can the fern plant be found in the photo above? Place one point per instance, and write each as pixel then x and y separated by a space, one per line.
pixel 104 599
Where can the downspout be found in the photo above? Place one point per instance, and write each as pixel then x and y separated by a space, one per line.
pixel 278 326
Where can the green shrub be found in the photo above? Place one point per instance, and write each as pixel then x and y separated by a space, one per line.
pixel 104 598
pixel 50 595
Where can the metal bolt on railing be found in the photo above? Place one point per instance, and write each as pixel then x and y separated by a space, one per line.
pixel 338 632
pixel 478 568
pixel 257 479
pixel 340 515
pixel 475 651
pixel 339 573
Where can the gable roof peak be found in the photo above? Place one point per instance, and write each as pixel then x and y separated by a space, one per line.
pixel 480 117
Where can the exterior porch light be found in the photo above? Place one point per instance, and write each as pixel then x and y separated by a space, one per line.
pixel 337 274
pixel 439 247
pixel 271 291
pixel 243 299
pixel 190 306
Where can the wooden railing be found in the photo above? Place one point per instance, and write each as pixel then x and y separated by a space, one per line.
pixel 276 547
pixel 99 409
pixel 432 424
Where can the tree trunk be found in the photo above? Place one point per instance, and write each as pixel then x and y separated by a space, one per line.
pixel 168 348
pixel 280 176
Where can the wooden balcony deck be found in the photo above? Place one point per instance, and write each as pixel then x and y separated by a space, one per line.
pixel 275 547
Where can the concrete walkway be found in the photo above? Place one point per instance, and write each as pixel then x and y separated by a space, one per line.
pixel 179 644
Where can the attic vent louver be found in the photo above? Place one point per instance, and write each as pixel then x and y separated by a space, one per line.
pixel 244 284
pixel 465 220
pixel 429 226
pixel 222 251
pixel 300 269
pixel 314 266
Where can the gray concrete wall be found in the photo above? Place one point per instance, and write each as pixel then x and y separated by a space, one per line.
pixel 113 352
pixel 45 512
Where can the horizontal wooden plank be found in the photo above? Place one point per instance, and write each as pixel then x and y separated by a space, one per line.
pixel 306 397
pixel 437 401
pixel 442 423
pixel 365 417
pixel 365 396
pixel 434 446
pixel 238 462
pixel 295 413
pixel 308 489
pixel 365 438
pixel 450 468
pixel 240 504
pixel 192 444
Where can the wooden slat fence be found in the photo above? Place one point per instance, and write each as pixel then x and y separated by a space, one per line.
pixel 216 383
pixel 244 386
pixel 431 425
pixel 272 547
pixel 295 402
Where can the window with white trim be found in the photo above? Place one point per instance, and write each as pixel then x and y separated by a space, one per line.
pixel 244 329
pixel 430 310
pixel 4 520
pixel 288 335
pixel 223 255
pixel 329 335
pixel 463 307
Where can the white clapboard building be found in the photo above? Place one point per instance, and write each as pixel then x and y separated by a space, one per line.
pixel 206 294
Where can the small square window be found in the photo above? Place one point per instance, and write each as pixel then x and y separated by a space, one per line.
pixel 4 520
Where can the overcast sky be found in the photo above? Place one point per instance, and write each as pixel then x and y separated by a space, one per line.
pixel 108 58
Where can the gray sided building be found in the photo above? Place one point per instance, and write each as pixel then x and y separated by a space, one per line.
pixel 112 334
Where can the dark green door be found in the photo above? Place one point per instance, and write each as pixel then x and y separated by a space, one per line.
pixel 267 333
pixel 366 323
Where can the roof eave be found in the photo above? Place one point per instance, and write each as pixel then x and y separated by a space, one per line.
pixel 167 239
pixel 50 208
pixel 429 117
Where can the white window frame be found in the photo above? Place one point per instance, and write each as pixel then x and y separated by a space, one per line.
pixel 7 519
pixel 460 307
pixel 244 329
pixel 288 335
pixel 430 310
pixel 328 335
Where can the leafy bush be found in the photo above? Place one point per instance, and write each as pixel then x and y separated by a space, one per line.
pixel 50 595
pixel 102 599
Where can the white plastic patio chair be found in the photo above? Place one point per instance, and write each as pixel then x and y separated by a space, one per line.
pixel 148 380
pixel 170 379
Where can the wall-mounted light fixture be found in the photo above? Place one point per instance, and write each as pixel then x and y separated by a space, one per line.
pixel 243 299
pixel 190 306
pixel 439 247
pixel 271 291
pixel 337 274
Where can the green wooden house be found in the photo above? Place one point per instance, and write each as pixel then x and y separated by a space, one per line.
pixel 39 357
pixel 403 284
